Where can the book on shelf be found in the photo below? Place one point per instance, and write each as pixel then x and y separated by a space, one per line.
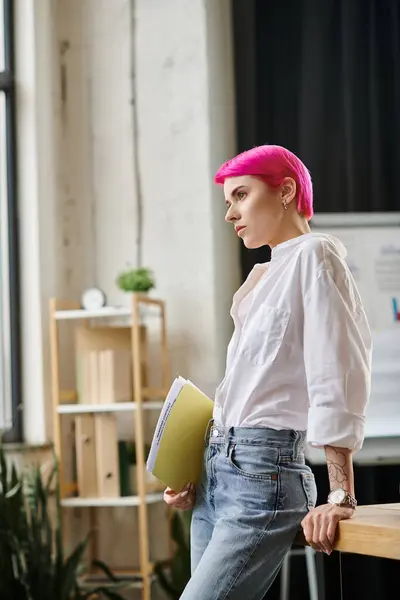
pixel 93 382
pixel 103 365
pixel 176 452
pixel 96 443
pixel 115 376
pixel 104 376
pixel 83 378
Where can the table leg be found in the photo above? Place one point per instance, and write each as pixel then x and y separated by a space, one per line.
pixel 319 563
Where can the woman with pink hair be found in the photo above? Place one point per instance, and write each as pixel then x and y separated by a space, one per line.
pixel 298 371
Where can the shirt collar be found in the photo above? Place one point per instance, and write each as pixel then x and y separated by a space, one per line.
pixel 287 246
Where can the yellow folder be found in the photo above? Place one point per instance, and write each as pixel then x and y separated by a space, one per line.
pixel 177 449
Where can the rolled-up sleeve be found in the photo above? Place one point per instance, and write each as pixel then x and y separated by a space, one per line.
pixel 337 356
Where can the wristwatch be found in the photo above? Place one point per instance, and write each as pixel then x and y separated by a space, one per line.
pixel 340 497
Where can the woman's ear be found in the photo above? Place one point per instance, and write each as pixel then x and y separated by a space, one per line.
pixel 288 190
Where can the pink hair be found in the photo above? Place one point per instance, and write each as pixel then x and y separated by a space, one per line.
pixel 272 164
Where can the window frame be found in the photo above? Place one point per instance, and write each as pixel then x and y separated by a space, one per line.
pixel 7 85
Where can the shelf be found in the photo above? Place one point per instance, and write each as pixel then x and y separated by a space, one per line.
pixel 134 582
pixel 75 409
pixel 81 313
pixel 70 398
pixel 133 578
pixel 77 502
pixel 141 395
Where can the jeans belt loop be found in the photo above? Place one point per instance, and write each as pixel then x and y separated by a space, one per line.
pixel 229 442
pixel 296 445
pixel 208 429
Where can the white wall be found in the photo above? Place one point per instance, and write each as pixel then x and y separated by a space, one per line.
pixel 84 168
pixel 88 161
pixel 186 129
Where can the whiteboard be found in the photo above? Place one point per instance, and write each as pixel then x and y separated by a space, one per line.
pixel 372 241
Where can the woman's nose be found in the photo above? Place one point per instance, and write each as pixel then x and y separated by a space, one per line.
pixel 231 214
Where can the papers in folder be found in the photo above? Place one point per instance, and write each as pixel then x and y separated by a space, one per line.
pixel 176 452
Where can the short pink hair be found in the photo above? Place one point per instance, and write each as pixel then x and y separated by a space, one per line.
pixel 272 164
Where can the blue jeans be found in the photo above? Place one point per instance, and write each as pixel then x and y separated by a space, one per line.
pixel 254 492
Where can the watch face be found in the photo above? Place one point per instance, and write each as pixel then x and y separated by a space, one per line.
pixel 93 298
pixel 338 496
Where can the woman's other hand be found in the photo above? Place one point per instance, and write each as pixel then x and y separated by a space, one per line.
pixel 319 526
pixel 184 500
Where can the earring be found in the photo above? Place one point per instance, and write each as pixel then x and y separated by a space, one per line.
pixel 285 204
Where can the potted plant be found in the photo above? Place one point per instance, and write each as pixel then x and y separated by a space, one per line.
pixel 174 574
pixel 139 280
pixel 33 563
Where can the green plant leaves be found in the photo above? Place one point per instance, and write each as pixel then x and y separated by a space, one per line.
pixel 32 563
pixel 67 581
pixel 173 575
pixel 103 567
pixel 136 280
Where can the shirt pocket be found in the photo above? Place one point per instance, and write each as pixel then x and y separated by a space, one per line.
pixel 263 334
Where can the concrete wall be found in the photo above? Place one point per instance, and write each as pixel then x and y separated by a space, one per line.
pixel 125 112
pixel 185 130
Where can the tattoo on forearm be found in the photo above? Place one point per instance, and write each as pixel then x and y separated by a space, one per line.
pixel 337 467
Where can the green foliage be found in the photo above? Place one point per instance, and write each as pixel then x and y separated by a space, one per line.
pixel 32 561
pixel 136 280
pixel 174 574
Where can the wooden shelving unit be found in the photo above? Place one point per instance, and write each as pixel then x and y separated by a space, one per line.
pixel 144 398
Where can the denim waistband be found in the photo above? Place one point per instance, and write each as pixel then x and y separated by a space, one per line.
pixel 256 436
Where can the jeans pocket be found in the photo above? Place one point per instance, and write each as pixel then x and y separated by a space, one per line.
pixel 254 462
pixel 310 489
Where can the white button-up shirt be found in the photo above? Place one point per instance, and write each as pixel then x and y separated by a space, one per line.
pixel 300 354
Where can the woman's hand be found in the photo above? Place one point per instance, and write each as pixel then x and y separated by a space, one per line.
pixel 319 526
pixel 184 500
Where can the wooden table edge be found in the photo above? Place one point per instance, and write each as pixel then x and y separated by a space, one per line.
pixel 363 535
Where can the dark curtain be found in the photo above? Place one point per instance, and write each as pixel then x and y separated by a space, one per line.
pixel 322 77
